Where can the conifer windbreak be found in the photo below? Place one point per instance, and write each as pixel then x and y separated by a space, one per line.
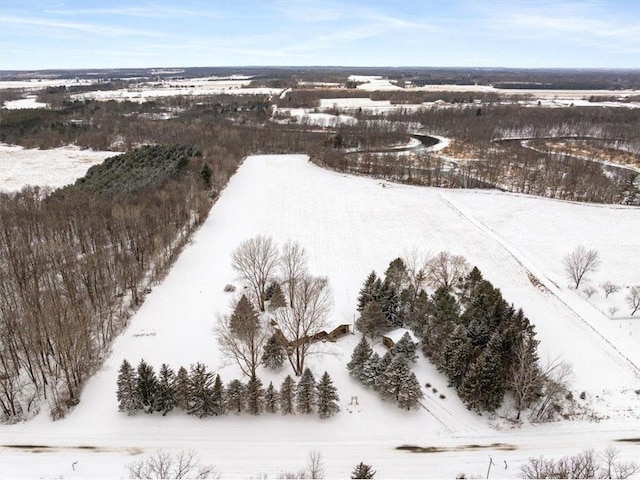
pixel 306 393
pixel 271 399
pixel 327 397
pixel 126 392
pixel 146 386
pixel 164 400
pixel 235 397
pixel 199 389
pixel 255 396
pixel 287 396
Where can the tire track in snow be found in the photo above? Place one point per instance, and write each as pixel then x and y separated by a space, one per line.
pixel 549 285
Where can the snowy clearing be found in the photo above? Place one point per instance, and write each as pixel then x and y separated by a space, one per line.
pixel 351 225
pixel 189 87
pixel 55 168
pixel 30 101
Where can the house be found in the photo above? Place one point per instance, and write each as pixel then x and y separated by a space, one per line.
pixel 389 339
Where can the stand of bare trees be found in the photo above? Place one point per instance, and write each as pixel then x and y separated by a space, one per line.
pixel 307 299
pixel 71 266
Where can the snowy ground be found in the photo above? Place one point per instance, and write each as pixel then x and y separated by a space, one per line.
pixel 234 85
pixel 55 167
pixel 30 101
pixel 349 226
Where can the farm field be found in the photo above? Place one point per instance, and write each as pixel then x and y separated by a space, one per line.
pixel 55 167
pixel 349 226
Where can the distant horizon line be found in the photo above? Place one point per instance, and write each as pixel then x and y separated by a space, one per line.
pixel 318 67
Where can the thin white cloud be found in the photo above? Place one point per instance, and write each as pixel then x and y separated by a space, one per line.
pixel 78 26
pixel 150 11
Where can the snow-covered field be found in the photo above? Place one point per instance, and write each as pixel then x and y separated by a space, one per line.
pixel 349 226
pixel 235 85
pixel 30 101
pixel 55 167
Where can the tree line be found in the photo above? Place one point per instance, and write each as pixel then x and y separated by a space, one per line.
pixel 73 264
pixel 199 392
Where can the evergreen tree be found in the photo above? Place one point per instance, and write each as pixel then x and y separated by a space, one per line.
pixel 443 314
pixel 181 395
pixel 363 471
pixel 469 284
pixel 483 386
pixel 415 311
pixel 242 339
pixel 271 399
pixel 305 393
pixel 380 368
pixel 327 397
pixel 287 396
pixel 146 386
pixel 235 397
pixel 372 321
pixel 389 303
pixel 367 291
pixel 277 299
pixel 217 397
pixel 370 370
pixel 268 293
pixel 255 396
pixel 405 346
pixel 396 275
pixel 199 391
pixel 274 354
pixel 206 173
pixel 361 355
pixel 410 393
pixel 165 394
pixel 456 356
pixel 393 379
pixel 126 393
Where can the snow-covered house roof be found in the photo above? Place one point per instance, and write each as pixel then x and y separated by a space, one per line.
pixel 392 337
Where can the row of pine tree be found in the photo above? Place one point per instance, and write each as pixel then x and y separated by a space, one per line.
pixel 199 392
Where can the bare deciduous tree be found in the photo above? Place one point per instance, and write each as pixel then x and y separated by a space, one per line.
pixel 293 266
pixel 417 268
pixel 586 464
pixel 315 465
pixel 445 270
pixel 526 379
pixel 579 263
pixel 557 376
pixel 589 291
pixel 633 299
pixel 163 465
pixel 609 288
pixel 256 261
pixel 308 316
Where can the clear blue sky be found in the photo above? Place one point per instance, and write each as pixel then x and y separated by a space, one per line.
pixel 526 33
